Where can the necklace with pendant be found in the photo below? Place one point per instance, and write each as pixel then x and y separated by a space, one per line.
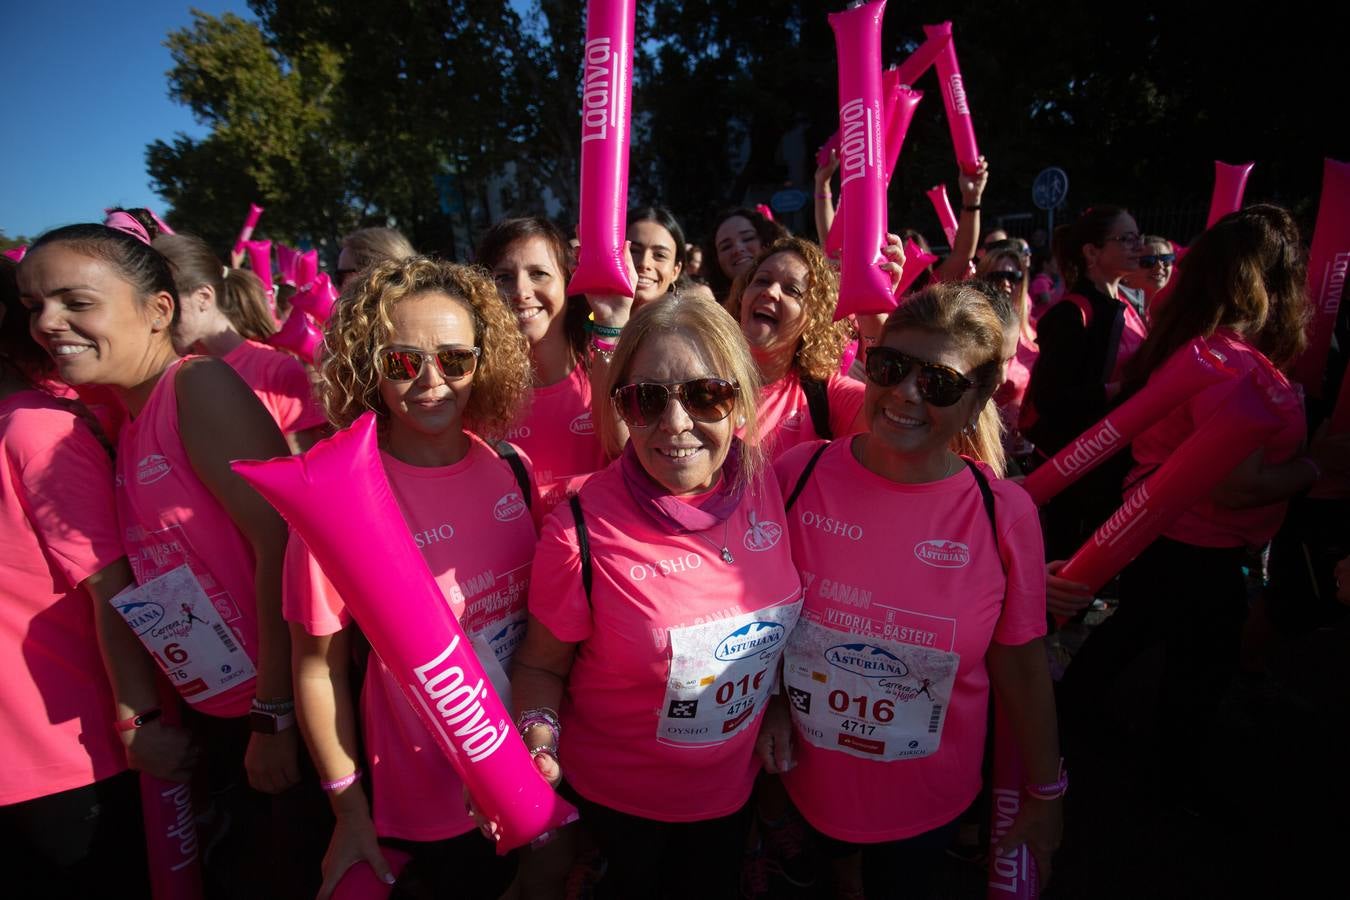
pixel 723 550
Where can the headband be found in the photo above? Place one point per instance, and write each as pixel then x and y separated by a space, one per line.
pixel 127 224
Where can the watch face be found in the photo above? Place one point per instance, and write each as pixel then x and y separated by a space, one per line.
pixel 263 722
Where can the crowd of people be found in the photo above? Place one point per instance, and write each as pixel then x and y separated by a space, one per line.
pixel 764 577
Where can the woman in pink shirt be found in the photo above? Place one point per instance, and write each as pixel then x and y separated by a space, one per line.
pixel 103 305
pixel 204 326
pixel 660 600
pixel 432 350
pixel 1002 268
pixel 925 584
pixel 1241 287
pixel 531 265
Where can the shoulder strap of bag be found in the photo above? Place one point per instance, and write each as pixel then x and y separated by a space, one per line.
pixel 806 473
pixel 583 544
pixel 507 452
pixel 818 404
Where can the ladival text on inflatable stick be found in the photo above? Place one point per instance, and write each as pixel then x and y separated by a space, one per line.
pixel 955 100
pixel 1191 369
pixel 606 110
pixel 1328 262
pixel 942 205
pixel 1012 874
pixel 1230 183
pixel 250 222
pixel 368 554
pixel 171 847
pixel 1240 425
pixel 863 286
pixel 299 335
pixel 260 261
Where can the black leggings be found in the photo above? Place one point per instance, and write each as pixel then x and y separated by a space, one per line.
pixel 896 870
pixel 676 860
pixel 85 842
pixel 465 867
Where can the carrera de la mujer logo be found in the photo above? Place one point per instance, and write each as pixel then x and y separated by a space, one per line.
pixel 750 640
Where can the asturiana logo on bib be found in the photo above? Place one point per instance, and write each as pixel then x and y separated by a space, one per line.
pixel 582 425
pixel 762 535
pixel 152 468
pixel 793 420
pixel 942 554
pixel 750 640
pixel 509 508
pixel 142 616
pixel 867 660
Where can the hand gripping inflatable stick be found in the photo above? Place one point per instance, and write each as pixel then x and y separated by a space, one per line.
pixel 369 555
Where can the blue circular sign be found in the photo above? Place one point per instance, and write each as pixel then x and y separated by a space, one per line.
pixel 787 201
pixel 1050 188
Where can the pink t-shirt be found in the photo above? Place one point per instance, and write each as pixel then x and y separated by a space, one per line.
pixel 623 745
pixel 168 518
pixel 281 383
pixel 58 527
pixel 477 536
pixel 1207 524
pixel 785 418
pixel 912 566
pixel 559 436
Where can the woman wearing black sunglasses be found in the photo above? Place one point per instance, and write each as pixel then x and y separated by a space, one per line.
pixel 432 350
pixel 660 602
pixel 1155 267
pixel 925 583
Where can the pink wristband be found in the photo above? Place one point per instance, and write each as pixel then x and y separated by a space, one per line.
pixel 1052 791
pixel 333 787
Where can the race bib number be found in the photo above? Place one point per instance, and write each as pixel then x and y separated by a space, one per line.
pixel 721 673
pixel 185 634
pixel 867 697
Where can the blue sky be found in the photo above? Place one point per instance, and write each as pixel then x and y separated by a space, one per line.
pixel 85 92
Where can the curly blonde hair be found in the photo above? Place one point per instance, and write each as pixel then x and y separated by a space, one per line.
pixel 822 341
pixel 360 328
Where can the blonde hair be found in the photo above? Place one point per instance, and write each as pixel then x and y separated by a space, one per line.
pixel 822 340
pixel 369 246
pixel 717 336
pixel 244 303
pixel 963 313
pixel 360 328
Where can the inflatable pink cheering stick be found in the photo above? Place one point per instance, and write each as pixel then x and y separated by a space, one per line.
pixel 1191 369
pixel 307 267
pixel 1328 261
pixel 369 555
pixel 361 883
pixel 764 211
pixel 250 222
pixel 170 829
pixel 863 286
pixel 299 335
pixel 917 260
pixel 606 109
pixel 923 57
pixel 16 253
pixel 1230 182
pixel 317 298
pixel 942 205
pixel 1014 873
pixel 1241 424
pixel 260 261
pixel 955 100
pixel 287 262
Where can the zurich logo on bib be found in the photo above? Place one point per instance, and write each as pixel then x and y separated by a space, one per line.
pixel 867 660
pixel 750 640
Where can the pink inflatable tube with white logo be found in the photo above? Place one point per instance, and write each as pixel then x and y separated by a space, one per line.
pixel 260 261
pixel 863 286
pixel 1241 424
pixel 1012 874
pixel 1230 183
pixel 360 882
pixel 606 108
pixel 170 830
pixel 1328 261
pixel 942 205
pixel 317 298
pixel 1191 369
pixel 299 335
pixel 250 222
pixel 955 100
pixel 369 555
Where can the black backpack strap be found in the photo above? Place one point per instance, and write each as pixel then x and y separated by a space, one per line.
pixel 583 544
pixel 806 473
pixel 508 453
pixel 987 493
pixel 818 404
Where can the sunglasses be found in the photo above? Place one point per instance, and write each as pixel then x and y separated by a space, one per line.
pixel 937 384
pixel 705 399
pixel 1010 277
pixel 406 365
pixel 1149 262
pixel 1132 237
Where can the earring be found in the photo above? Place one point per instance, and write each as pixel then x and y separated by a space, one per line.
pixel 157 322
pixel 969 429
pixel 740 421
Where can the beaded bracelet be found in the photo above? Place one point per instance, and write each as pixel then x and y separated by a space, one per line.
pixel 601 345
pixel 333 787
pixel 540 716
pixel 547 749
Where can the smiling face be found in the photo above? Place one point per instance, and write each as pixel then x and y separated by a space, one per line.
pixel 656 259
pixel 772 311
pixel 913 434
pixel 737 245
pixel 429 406
pixel 89 318
pixel 530 281
pixel 680 454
